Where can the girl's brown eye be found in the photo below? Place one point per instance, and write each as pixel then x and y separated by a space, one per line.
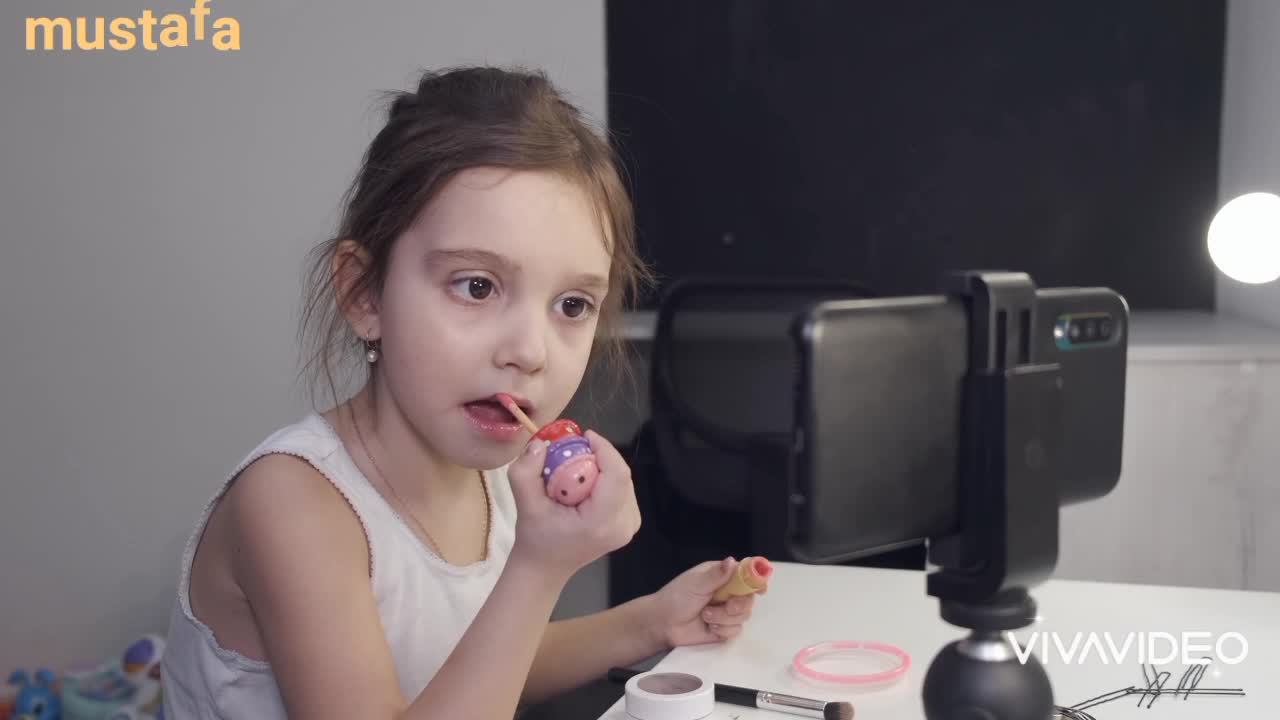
pixel 576 307
pixel 479 288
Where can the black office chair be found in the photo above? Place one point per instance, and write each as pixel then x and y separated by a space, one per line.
pixel 711 462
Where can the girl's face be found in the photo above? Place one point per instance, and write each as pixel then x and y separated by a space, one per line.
pixel 495 288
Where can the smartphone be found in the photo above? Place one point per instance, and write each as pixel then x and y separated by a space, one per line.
pixel 878 414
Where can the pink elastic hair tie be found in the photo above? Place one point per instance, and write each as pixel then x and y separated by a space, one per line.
pixel 801 658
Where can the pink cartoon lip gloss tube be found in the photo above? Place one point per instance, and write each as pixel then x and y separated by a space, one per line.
pixel 570 469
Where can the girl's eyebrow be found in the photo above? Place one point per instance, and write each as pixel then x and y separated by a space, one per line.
pixel 591 281
pixel 474 256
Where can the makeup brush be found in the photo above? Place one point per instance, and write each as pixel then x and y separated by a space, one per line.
pixel 763 700
pixel 515 410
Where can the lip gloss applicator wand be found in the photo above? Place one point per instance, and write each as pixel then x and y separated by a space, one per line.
pixel 519 415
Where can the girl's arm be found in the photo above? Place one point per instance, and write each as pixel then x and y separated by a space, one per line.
pixel 305 573
pixel 303 564
pixel 574 652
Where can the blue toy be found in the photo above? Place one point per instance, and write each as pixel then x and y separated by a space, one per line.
pixel 126 687
pixel 36 700
pixel 9 692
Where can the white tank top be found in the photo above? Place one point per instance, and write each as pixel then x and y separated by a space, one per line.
pixel 425 604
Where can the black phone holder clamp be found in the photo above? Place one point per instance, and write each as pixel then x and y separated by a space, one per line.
pixel 1006 539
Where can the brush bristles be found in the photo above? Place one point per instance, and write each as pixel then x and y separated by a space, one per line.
pixel 837 711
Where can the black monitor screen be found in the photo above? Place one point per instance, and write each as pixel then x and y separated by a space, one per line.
pixel 887 143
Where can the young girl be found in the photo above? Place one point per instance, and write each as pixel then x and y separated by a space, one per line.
pixel 396 556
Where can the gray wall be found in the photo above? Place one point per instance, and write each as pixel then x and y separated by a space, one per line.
pixel 156 207
pixel 1251 135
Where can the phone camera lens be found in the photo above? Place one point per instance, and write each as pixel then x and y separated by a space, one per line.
pixel 1090 329
pixel 1074 331
pixel 1104 328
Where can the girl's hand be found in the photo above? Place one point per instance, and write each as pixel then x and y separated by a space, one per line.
pixel 560 539
pixel 682 613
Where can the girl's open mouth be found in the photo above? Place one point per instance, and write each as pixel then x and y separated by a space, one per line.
pixel 490 411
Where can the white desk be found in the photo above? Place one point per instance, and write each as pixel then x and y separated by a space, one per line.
pixel 808 604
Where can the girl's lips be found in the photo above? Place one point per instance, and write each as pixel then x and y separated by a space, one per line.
pixel 493 422
pixel 489 411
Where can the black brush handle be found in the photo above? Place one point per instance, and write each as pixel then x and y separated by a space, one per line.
pixel 622 675
pixel 736 695
pixel 724 693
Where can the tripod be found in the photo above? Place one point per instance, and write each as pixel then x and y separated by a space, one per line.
pixel 1007 540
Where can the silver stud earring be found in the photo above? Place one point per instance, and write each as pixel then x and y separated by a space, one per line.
pixel 371 353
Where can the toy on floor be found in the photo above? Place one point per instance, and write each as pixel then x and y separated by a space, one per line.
pixel 123 688
pixel 750 576
pixel 570 469
pixel 36 700
pixel 9 692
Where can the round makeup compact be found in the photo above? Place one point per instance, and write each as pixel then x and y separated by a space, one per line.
pixel 669 696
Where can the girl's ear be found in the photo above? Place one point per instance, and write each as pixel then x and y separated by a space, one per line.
pixel 356 300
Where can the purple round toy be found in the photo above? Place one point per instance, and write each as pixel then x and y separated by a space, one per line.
pixel 570 469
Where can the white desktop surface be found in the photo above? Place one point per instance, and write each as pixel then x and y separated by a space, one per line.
pixel 807 604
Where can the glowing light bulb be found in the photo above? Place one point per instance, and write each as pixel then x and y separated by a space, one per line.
pixel 1244 238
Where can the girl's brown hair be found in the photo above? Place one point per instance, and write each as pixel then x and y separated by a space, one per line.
pixel 458 119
